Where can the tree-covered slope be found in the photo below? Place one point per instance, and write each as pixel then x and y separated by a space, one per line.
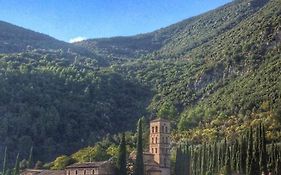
pixel 220 64
pixel 176 40
pixel 57 105
pixel 17 39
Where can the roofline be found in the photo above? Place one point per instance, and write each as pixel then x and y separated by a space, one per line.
pixel 159 119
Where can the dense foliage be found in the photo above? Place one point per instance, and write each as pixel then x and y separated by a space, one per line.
pixel 59 105
pixel 250 155
pixel 212 75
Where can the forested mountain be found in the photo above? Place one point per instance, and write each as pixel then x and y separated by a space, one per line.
pixel 17 39
pixel 212 75
pixel 176 40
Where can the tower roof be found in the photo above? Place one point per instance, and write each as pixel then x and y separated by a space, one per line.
pixel 159 120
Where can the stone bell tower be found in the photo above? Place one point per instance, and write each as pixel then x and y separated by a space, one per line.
pixel 160 143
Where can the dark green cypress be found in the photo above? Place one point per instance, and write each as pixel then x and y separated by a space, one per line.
pixel 30 158
pixel 121 160
pixel 139 167
pixel 228 163
pixel 178 162
pixel 264 157
pixel 194 161
pixel 16 170
pixel 188 161
pixel 204 160
pixel 272 158
pixel 215 159
pixel 249 152
pixel 243 155
pixel 5 162
pixel 200 160
pixel 278 166
pixel 234 152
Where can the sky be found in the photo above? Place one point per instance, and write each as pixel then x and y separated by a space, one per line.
pixel 74 20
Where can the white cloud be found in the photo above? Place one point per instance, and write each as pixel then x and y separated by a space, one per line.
pixel 77 39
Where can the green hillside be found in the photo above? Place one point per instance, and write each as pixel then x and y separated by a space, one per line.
pixel 219 71
pixel 176 40
pixel 58 105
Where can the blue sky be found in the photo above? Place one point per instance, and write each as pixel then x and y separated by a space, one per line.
pixel 68 19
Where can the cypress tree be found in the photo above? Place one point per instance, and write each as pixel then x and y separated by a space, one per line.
pixel 263 158
pixel 215 158
pixel 178 162
pixel 30 161
pixel 121 161
pixel 204 162
pixel 8 172
pixel 228 163
pixel 16 170
pixel 187 169
pixel 139 167
pixel 194 160
pixel 199 158
pixel 234 152
pixel 243 155
pixel 278 166
pixel 5 162
pixel 249 152
pixel 210 159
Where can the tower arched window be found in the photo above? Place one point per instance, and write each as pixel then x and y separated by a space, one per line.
pixel 93 171
pixel 156 128
pixel 162 128
pixel 84 171
pixel 156 140
pixel 152 129
pixel 152 140
pixel 166 129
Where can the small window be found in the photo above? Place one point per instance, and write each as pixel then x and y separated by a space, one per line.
pixel 167 140
pixel 156 129
pixel 152 150
pixel 155 150
pixel 166 129
pixel 162 128
pixel 156 140
pixel 84 171
pixel 93 171
pixel 76 171
pixel 152 140
pixel 163 140
pixel 152 129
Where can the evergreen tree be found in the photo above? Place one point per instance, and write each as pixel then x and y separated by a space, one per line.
pixel 263 158
pixel 30 161
pixel 121 160
pixel 228 163
pixel 204 160
pixel 16 170
pixel 243 155
pixel 215 158
pixel 5 162
pixel 178 162
pixel 249 152
pixel 139 166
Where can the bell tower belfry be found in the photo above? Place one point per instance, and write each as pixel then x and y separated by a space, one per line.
pixel 160 143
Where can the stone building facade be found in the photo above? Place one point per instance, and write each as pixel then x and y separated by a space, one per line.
pixel 90 168
pixel 159 144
